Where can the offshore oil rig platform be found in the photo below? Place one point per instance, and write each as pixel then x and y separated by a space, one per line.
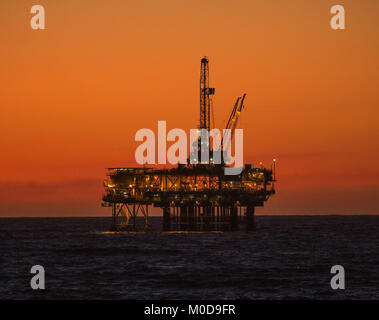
pixel 194 197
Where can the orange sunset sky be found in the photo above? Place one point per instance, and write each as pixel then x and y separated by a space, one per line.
pixel 73 96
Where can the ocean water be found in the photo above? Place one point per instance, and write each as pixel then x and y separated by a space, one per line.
pixel 287 257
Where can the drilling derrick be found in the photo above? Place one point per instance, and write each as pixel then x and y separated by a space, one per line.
pixel 205 93
pixel 193 197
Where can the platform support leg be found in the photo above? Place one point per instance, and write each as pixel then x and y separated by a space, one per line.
pixel 166 219
pixel 233 219
pixel 250 218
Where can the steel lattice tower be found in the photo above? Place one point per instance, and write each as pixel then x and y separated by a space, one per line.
pixel 205 92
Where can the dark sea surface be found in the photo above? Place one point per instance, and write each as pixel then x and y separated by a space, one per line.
pixel 287 257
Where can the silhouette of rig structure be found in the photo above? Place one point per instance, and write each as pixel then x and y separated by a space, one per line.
pixel 194 197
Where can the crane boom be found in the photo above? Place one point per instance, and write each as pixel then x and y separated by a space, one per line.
pixel 233 113
pixel 232 122
pixel 236 116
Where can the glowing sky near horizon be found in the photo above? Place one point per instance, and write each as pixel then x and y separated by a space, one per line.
pixel 72 96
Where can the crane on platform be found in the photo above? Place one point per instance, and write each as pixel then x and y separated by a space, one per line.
pixel 232 123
